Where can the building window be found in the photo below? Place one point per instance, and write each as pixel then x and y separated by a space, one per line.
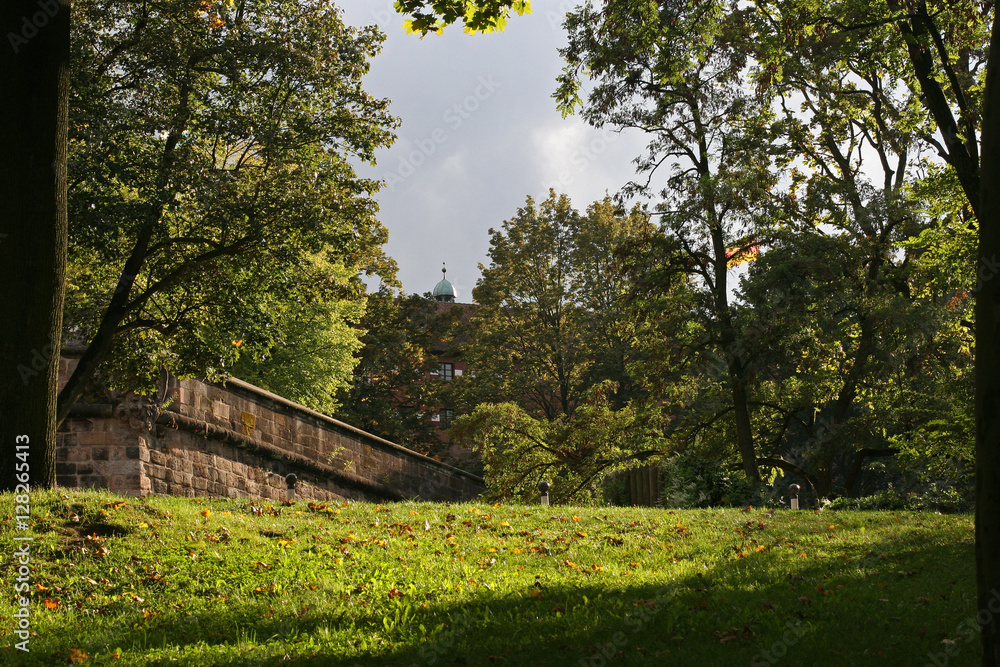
pixel 447 416
pixel 446 371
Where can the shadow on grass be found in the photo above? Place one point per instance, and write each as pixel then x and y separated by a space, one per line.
pixel 893 602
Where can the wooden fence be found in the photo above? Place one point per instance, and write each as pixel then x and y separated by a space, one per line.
pixel 642 486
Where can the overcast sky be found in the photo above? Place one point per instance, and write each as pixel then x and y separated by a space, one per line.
pixel 480 132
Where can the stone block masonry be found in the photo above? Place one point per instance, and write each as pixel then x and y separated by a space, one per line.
pixel 237 440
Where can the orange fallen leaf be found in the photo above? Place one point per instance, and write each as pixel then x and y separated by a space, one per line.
pixel 76 655
pixel 50 603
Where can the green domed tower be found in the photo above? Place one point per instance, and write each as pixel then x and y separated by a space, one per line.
pixel 444 291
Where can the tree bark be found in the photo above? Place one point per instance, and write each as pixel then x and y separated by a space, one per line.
pixel 98 349
pixel 988 365
pixel 734 359
pixel 34 101
pixel 744 432
pixel 859 461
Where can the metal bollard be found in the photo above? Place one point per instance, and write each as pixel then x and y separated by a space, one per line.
pixel 543 487
pixel 794 490
pixel 290 480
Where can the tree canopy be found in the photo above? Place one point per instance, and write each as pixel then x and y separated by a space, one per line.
pixel 214 210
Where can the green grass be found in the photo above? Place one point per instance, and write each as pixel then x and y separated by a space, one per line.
pixel 229 582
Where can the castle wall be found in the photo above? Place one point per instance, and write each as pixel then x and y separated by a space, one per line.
pixel 237 440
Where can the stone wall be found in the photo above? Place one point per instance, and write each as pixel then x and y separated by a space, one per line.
pixel 237 440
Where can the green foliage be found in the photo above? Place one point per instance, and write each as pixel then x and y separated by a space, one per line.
pixel 314 358
pixel 615 491
pixel 690 481
pixel 390 394
pixel 549 343
pixel 549 320
pixel 835 340
pixel 214 211
pixel 484 16
pixel 573 452
pixel 934 497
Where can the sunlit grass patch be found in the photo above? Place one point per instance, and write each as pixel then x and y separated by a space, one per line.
pixel 229 582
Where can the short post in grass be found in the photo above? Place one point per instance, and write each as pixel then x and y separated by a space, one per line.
pixel 794 490
pixel 290 480
pixel 543 488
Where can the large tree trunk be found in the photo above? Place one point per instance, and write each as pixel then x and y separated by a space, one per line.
pixel 988 366
pixel 734 357
pixel 744 431
pixel 34 99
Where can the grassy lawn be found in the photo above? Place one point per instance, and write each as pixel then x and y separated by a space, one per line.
pixel 203 582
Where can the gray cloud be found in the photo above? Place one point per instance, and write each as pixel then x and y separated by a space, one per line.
pixel 480 132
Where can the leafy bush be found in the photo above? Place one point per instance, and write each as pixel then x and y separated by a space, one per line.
pixel 936 497
pixel 690 481
pixel 615 491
